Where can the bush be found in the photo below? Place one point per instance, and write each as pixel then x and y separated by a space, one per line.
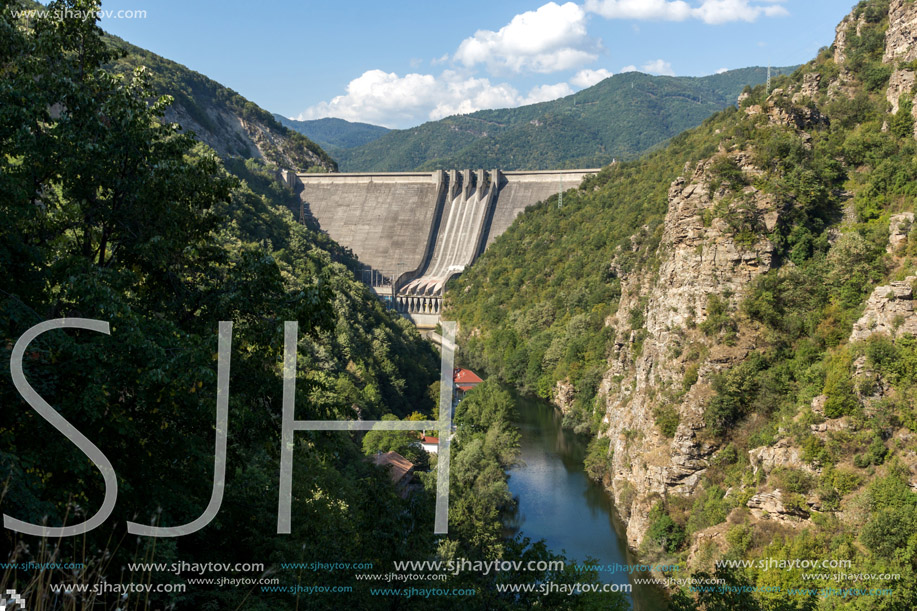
pixel 664 531
pixel 598 458
pixel 735 391
pixel 667 419
pixel 710 508
pixel 718 317
pixel 793 480
pixel 839 390
pixel 889 530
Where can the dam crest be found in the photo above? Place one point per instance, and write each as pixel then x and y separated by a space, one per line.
pixel 413 231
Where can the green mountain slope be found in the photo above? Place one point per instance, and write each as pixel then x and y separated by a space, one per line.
pixel 220 117
pixel 621 117
pixel 335 135
pixel 733 317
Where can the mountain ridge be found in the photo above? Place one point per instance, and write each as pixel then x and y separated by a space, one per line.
pixel 333 134
pixel 621 117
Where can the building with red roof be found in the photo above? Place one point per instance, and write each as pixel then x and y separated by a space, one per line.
pixel 464 380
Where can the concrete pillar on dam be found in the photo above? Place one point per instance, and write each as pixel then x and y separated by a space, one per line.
pixel 413 231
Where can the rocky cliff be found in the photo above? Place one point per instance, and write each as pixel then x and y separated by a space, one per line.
pixel 230 124
pixel 713 246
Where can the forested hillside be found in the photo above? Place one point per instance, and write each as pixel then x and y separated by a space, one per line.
pixel 733 318
pixel 622 117
pixel 110 212
pixel 220 117
pixel 335 135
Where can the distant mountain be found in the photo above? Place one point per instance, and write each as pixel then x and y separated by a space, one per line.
pixel 227 122
pixel 621 117
pixel 335 135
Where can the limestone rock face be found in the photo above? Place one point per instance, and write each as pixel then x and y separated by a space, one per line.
pixel 772 505
pixel 899 226
pixel 699 257
pixel 901 37
pixel 900 83
pixel 781 454
pixel 809 88
pixel 889 310
pixel 232 135
pixel 840 38
pixel 564 394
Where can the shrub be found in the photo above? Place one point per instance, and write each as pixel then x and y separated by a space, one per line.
pixel 793 480
pixel 664 531
pixel 667 419
pixel 709 508
pixel 718 317
pixel 839 390
pixel 735 391
pixel 598 458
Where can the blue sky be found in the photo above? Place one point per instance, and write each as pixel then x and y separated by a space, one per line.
pixel 402 63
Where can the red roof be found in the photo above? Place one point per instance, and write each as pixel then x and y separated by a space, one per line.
pixel 400 466
pixel 465 376
pixel 466 387
pixel 430 439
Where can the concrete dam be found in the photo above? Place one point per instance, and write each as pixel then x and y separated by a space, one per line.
pixel 414 230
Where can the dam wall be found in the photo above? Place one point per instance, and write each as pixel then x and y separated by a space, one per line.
pixel 414 230
pixel 387 220
pixel 519 190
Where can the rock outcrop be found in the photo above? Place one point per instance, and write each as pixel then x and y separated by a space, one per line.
pixel 899 226
pixel 699 258
pixel 889 311
pixel 231 135
pixel 774 506
pixel 902 32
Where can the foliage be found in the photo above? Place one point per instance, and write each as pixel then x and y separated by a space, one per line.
pixel 598 459
pixel 663 530
pixel 111 214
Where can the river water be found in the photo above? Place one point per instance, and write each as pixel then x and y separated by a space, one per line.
pixel 557 502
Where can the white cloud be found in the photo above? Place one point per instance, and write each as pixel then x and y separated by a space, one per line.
pixel 589 77
pixel 676 10
pixel 722 70
pixel 549 39
pixel 723 11
pixel 708 11
pixel 544 93
pixel 385 98
pixel 659 66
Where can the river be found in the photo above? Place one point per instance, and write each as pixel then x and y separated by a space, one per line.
pixel 557 502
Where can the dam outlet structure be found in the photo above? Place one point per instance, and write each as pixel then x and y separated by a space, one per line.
pixel 413 231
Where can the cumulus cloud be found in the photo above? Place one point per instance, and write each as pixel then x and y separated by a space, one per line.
pixel 722 70
pixel 708 11
pixel 545 93
pixel 548 39
pixel 589 77
pixel 385 98
pixel 659 66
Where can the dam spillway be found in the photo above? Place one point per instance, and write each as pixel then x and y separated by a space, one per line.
pixel 412 231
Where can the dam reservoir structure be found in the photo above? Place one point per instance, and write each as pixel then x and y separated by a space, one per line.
pixel 412 231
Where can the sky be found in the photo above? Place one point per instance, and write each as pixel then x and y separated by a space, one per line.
pixel 402 63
